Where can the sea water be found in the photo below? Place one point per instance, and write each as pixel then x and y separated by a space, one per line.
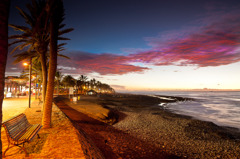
pixel 222 108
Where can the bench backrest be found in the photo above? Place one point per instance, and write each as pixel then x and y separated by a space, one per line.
pixel 16 126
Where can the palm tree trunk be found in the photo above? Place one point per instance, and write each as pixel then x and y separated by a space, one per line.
pixel 44 75
pixel 4 13
pixel 46 121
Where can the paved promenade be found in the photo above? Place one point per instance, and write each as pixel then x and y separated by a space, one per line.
pixel 14 106
pixel 60 141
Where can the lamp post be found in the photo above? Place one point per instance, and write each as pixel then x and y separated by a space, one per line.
pixel 30 80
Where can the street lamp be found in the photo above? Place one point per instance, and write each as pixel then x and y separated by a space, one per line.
pixel 30 80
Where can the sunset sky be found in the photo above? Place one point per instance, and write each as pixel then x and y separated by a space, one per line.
pixel 140 45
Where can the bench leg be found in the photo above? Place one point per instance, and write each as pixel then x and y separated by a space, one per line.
pixel 3 155
pixel 22 147
pixel 38 136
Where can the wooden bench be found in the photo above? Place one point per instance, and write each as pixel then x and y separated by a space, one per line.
pixel 20 131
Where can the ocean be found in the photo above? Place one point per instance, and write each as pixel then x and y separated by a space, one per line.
pixel 221 108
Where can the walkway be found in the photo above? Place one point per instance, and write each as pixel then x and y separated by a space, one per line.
pixel 14 106
pixel 60 141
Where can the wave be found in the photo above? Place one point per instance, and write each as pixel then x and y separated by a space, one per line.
pixel 222 108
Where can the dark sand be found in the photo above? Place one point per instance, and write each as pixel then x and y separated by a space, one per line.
pixel 145 130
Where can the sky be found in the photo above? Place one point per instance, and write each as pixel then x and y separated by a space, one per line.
pixel 149 45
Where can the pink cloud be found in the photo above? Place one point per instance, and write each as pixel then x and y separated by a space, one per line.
pixel 102 63
pixel 215 44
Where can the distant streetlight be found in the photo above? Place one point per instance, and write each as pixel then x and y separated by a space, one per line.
pixel 30 79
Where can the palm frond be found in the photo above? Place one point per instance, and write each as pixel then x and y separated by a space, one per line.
pixel 61 49
pixel 19 28
pixel 22 56
pixel 22 36
pixel 61 55
pixel 17 41
pixel 27 17
pixel 61 26
pixel 62 38
pixel 65 31
pixel 62 44
pixel 17 47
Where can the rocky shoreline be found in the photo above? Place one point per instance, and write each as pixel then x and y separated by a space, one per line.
pixel 182 136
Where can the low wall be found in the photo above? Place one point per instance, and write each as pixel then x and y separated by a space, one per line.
pixel 90 150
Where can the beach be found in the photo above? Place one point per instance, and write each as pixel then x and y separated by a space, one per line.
pixel 144 129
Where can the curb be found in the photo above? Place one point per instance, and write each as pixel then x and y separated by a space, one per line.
pixel 90 150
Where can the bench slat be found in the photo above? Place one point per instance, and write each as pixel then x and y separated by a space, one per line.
pixel 31 132
pixel 13 118
pixel 15 122
pixel 19 129
pixel 17 126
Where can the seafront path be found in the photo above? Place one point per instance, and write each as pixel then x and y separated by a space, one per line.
pixel 60 141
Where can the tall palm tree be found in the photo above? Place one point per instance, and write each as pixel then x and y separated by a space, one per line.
pixel 4 13
pixel 56 12
pixel 36 36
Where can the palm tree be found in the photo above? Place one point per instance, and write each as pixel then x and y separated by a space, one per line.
pixel 4 13
pixel 81 82
pixel 105 88
pixel 87 85
pixel 98 86
pixel 83 78
pixel 79 85
pixel 68 81
pixel 93 83
pixel 58 78
pixel 56 12
pixel 36 37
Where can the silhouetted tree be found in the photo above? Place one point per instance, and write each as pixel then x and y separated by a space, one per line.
pixel 4 13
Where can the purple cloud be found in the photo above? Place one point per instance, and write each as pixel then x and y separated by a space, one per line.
pixel 102 63
pixel 214 44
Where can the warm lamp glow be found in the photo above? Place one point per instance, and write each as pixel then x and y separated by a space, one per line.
pixel 25 64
